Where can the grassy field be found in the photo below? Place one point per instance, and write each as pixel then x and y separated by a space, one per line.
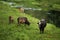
pixel 21 32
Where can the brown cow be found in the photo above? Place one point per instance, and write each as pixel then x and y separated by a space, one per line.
pixel 23 20
pixel 11 19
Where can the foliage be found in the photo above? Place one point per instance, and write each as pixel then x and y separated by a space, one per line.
pixel 54 17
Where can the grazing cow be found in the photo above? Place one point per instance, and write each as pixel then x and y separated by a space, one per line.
pixel 23 20
pixel 21 10
pixel 11 19
pixel 42 25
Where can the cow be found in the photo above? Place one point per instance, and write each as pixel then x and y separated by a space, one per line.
pixel 11 19
pixel 23 20
pixel 42 24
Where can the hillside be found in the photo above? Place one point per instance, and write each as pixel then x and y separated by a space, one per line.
pixel 21 32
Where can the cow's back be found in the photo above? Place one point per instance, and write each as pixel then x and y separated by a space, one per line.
pixel 22 19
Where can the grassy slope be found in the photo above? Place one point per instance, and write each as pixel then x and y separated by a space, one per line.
pixel 14 32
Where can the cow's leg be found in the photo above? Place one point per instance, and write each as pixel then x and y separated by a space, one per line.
pixel 12 21
pixel 18 23
pixel 24 24
pixel 9 21
pixel 42 30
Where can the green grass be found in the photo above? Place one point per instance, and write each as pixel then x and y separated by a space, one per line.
pixel 21 32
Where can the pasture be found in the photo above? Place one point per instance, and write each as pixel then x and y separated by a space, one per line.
pixel 21 32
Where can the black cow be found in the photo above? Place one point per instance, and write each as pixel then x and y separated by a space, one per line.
pixel 23 20
pixel 42 24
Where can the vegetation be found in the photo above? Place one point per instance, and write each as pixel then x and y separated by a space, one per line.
pixel 21 32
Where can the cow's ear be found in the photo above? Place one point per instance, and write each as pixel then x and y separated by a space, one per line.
pixel 37 23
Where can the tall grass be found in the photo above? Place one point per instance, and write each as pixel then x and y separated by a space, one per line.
pixel 22 32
